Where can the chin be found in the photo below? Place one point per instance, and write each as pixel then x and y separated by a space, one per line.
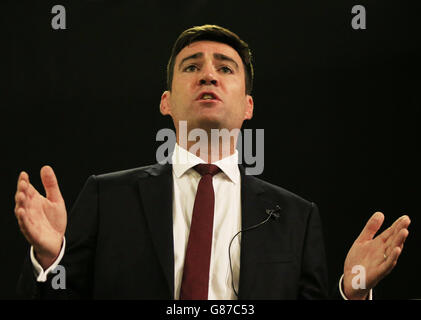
pixel 211 121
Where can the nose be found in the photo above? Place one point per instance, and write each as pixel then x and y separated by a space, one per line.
pixel 207 77
pixel 205 82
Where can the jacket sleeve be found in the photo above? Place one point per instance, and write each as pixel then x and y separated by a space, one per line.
pixel 313 280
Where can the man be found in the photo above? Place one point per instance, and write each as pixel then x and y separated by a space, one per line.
pixel 171 231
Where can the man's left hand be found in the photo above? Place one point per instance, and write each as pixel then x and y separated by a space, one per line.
pixel 378 256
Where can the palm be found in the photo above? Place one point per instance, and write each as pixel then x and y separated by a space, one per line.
pixel 48 218
pixel 42 220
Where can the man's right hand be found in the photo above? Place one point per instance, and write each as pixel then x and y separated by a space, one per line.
pixel 42 220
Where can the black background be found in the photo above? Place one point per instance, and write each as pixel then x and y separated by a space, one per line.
pixel 338 106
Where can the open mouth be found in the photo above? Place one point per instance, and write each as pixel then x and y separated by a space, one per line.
pixel 208 96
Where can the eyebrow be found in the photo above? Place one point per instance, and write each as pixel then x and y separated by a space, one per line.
pixel 222 57
pixel 217 56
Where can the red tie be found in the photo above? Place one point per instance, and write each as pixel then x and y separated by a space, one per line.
pixel 195 283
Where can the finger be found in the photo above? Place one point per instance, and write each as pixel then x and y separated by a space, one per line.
pixel 25 186
pixel 397 241
pixel 371 227
pixel 19 213
pixel 401 232
pixel 20 199
pixel 50 183
pixel 23 176
pixel 400 224
pixel 400 238
pixel 22 186
pixel 403 221
pixel 20 195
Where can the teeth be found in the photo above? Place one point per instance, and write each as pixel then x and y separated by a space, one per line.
pixel 207 96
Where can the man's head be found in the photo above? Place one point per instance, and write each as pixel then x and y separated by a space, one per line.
pixel 209 78
pixel 218 34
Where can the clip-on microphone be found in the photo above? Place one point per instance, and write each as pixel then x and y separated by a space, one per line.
pixel 275 213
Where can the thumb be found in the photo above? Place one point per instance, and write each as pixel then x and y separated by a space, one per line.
pixel 50 183
pixel 372 226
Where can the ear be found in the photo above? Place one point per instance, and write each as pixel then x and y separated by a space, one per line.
pixel 249 108
pixel 165 105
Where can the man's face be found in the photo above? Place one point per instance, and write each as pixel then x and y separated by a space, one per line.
pixel 208 88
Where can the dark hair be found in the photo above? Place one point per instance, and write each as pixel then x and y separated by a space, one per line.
pixel 212 33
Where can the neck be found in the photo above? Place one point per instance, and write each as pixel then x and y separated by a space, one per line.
pixel 210 149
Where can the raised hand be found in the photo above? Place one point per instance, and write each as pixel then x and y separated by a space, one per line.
pixel 378 256
pixel 42 220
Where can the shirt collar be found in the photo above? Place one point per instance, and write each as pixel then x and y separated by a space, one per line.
pixel 183 160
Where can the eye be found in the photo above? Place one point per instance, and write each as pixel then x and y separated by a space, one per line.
pixel 226 69
pixel 190 68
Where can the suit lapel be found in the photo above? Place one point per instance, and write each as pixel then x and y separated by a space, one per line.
pixel 250 205
pixel 156 194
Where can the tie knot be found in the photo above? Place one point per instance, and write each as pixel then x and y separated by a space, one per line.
pixel 207 168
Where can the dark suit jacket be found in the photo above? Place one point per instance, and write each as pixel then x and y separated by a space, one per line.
pixel 120 242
